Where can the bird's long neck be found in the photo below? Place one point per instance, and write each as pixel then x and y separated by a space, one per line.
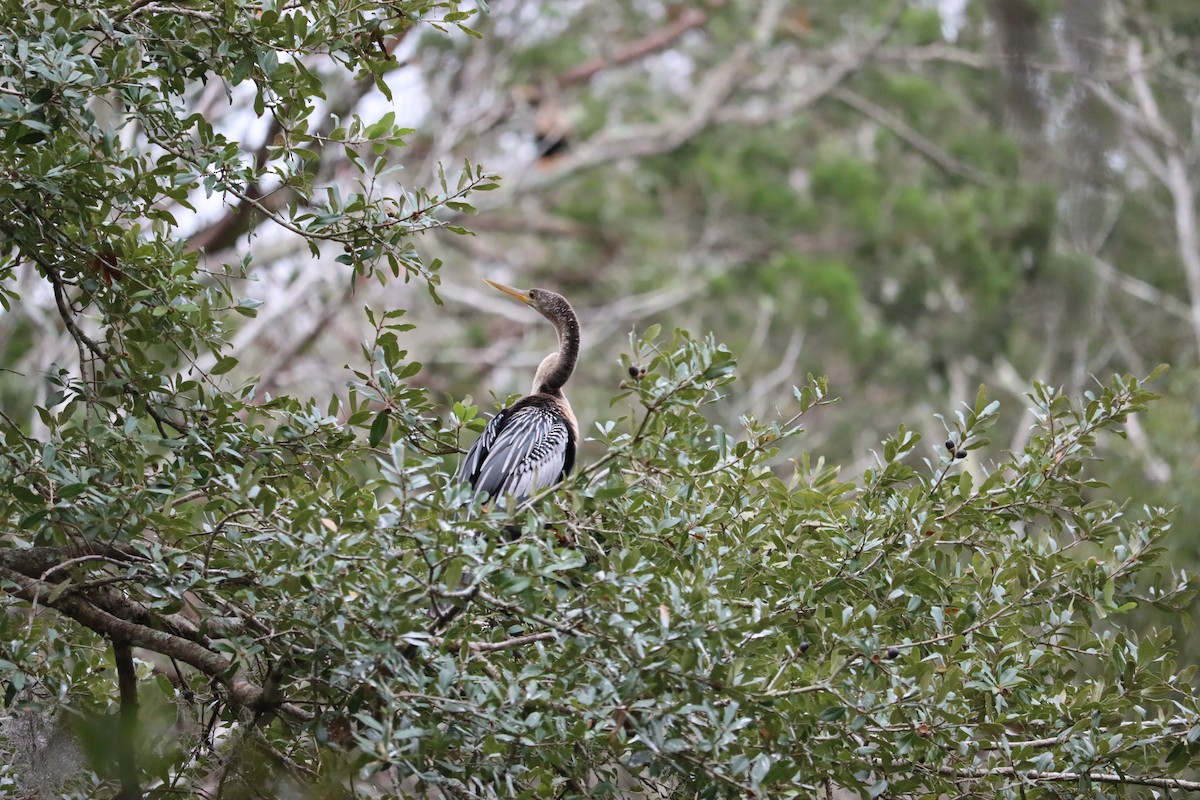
pixel 568 354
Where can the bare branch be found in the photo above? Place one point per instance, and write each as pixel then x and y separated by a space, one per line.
pixel 940 158
pixel 690 19
pixel 783 373
pixel 949 54
pixel 845 61
pixel 645 140
pixel 1179 183
pixel 1140 289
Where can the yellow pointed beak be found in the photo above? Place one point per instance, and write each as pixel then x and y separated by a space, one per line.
pixel 511 292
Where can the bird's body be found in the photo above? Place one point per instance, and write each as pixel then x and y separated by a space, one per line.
pixel 531 444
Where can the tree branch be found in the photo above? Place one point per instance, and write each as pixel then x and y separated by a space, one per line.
pixel 1140 289
pixel 1170 167
pixel 1036 776
pixel 503 644
pixel 646 140
pixel 126 744
pixel 939 157
pixel 68 318
pixel 1179 184
pixel 37 561
pixel 243 691
pixel 845 61
pixel 690 19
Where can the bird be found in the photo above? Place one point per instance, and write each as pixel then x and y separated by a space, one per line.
pixel 531 444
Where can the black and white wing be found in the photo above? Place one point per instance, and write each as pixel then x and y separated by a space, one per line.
pixel 469 469
pixel 524 449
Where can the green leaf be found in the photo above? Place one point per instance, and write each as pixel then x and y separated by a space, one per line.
pixel 832 714
pixel 378 428
pixel 223 365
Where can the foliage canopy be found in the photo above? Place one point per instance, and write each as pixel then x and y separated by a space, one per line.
pixel 299 602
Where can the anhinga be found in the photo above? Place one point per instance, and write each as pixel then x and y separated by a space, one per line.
pixel 531 444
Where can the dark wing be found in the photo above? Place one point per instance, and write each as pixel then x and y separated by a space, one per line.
pixel 531 448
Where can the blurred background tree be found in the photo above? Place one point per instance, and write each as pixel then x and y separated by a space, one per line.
pixel 911 198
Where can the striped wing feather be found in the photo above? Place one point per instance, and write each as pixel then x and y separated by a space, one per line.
pixel 523 449
pixel 469 469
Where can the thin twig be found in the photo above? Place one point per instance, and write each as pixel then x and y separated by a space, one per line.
pixel 939 157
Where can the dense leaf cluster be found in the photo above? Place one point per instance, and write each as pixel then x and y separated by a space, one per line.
pixel 300 601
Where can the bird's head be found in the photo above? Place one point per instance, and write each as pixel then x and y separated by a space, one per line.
pixel 551 305
pixel 556 368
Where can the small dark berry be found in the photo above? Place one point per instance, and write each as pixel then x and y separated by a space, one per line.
pixel 950 445
pixel 961 454
pixel 804 647
pixel 893 652
pixel 633 371
pixel 204 419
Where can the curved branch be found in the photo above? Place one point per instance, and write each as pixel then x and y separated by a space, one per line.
pixel 68 318
pixel 243 691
